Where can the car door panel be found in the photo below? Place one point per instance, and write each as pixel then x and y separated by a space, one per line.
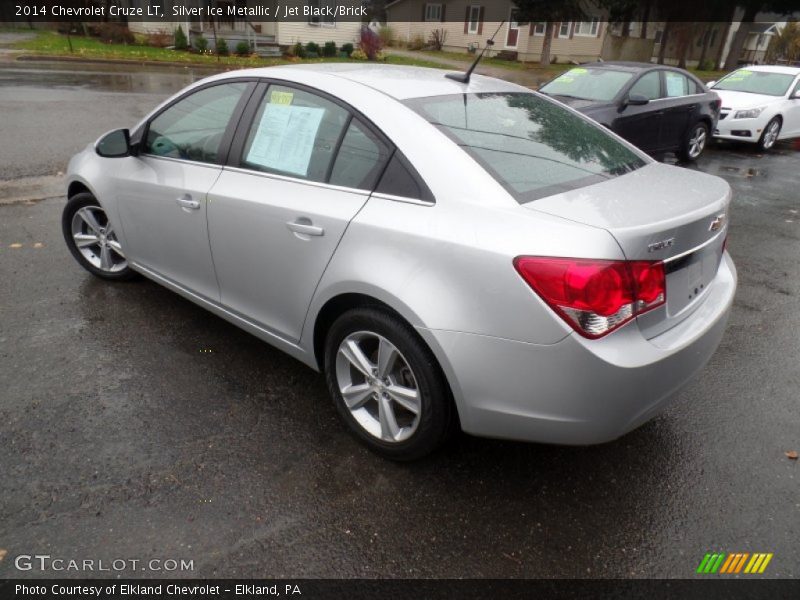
pixel 272 239
pixel 791 118
pixel 641 124
pixel 162 193
pixel 679 107
pixel 301 167
pixel 163 230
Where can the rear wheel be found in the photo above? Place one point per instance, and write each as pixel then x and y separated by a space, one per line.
pixel 770 134
pixel 92 240
pixel 695 142
pixel 387 385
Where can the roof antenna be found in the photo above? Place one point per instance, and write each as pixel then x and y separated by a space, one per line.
pixel 464 77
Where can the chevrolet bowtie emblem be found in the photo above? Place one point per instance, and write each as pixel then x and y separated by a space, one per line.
pixel 717 223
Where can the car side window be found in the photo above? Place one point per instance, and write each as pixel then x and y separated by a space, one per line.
pixel 294 133
pixel 677 84
pixel 648 85
pixel 193 127
pixel 399 179
pixel 360 159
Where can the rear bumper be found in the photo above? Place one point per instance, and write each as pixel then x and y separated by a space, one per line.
pixel 579 391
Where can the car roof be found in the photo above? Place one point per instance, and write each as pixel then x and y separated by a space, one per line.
pixel 397 81
pixel 774 69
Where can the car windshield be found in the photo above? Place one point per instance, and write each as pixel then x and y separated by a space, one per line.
pixel 600 85
pixel 756 82
pixel 531 145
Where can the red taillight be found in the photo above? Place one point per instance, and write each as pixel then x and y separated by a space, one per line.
pixel 595 297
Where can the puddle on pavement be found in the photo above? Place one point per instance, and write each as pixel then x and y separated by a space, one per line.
pixel 744 172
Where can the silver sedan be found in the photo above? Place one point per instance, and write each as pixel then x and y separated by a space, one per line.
pixel 450 255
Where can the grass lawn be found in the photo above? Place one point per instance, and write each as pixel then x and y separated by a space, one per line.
pixel 49 43
pixel 468 58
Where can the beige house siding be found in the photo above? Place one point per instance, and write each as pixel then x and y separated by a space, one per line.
pixel 342 32
pixel 404 20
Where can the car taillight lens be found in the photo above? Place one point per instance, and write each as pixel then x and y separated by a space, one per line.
pixel 595 297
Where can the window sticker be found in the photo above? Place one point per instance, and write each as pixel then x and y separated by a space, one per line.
pixel 285 138
pixel 281 97
pixel 570 75
pixel 675 85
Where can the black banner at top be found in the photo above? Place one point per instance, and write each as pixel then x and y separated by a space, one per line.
pixel 329 12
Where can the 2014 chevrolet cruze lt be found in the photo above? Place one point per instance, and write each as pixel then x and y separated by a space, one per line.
pixel 448 254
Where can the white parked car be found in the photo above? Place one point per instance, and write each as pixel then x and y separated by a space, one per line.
pixel 760 104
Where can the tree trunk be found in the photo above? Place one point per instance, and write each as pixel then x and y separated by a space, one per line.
pixel 547 42
pixel 645 18
pixel 664 39
pixel 732 60
pixel 685 38
pixel 706 42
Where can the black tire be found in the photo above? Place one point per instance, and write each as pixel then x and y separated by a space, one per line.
pixel 687 152
pixel 763 139
pixel 437 417
pixel 74 204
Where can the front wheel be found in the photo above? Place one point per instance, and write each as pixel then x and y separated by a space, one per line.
pixel 92 240
pixel 387 385
pixel 694 143
pixel 770 134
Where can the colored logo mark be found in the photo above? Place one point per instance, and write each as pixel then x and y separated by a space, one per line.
pixel 736 562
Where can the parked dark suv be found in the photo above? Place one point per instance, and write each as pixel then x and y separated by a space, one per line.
pixel 660 109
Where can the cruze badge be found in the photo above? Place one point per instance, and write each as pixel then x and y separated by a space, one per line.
pixel 661 245
pixel 717 223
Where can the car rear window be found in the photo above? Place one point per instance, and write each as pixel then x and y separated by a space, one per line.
pixel 531 145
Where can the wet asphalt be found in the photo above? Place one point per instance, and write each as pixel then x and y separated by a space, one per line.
pixel 136 425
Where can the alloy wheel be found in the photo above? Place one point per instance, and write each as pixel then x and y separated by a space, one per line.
pixel 96 240
pixel 771 134
pixel 378 386
pixel 697 142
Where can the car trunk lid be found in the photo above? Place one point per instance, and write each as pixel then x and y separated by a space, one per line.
pixel 658 212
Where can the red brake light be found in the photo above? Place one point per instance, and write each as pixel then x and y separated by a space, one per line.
pixel 595 297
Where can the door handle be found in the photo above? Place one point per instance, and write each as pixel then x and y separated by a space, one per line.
pixel 186 201
pixel 304 226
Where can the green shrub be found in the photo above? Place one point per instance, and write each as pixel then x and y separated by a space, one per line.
pixel 347 49
pixel 329 49
pixel 312 48
pixel 222 47
pixel 243 48
pixel 201 44
pixel 298 50
pixel 359 54
pixel 181 43
pixel 706 65
pixel 387 35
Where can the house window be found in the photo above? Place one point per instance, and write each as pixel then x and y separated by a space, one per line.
pixel 320 21
pixel 539 27
pixel 659 35
pixel 433 12
pixel 564 28
pixel 587 28
pixel 474 19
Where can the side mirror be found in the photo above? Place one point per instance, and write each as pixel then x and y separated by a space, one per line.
pixel 114 144
pixel 637 100
pixel 711 83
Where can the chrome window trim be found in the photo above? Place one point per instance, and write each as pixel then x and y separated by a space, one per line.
pixel 696 248
pixel 186 161
pixel 404 199
pixel 289 179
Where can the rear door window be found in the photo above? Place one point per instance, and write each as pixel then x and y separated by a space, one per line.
pixel 676 84
pixel 295 133
pixel 360 160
